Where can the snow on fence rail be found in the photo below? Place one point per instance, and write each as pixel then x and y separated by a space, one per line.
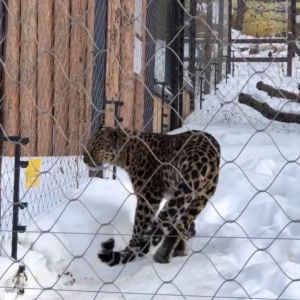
pixel 69 66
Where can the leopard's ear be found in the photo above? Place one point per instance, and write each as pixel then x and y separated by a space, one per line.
pixel 111 135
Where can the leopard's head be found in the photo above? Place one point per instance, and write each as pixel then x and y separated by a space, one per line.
pixel 102 148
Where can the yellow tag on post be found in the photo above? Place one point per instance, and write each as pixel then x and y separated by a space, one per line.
pixel 32 174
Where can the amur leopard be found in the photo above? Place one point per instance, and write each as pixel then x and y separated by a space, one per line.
pixel 183 167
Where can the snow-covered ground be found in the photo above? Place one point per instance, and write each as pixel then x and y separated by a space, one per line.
pixel 247 243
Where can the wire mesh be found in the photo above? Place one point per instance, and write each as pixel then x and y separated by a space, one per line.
pixel 226 67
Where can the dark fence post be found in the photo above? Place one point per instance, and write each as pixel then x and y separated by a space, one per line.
pixel 220 40
pixel 208 47
pixel 18 141
pixel 99 71
pixel 150 64
pixel 293 18
pixel 291 37
pixel 16 203
pixel 99 67
pixel 192 50
pixel 229 35
pixel 176 16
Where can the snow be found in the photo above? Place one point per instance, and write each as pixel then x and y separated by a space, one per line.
pixel 246 246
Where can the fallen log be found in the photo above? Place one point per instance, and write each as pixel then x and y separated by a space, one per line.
pixel 278 93
pixel 268 112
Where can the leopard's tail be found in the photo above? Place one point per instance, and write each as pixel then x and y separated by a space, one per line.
pixel 113 258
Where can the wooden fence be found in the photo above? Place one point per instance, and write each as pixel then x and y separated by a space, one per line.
pixel 126 42
pixel 50 61
pixel 48 71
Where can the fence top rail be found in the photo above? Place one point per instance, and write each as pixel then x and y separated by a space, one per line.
pixel 259 41
pixel 258 59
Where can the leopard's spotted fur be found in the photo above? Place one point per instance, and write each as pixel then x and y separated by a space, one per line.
pixel 183 166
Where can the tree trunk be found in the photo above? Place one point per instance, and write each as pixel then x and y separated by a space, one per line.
pixel 241 8
pixel 267 111
pixel 278 93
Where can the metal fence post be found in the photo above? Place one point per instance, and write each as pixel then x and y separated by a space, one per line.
pixel 99 67
pixel 16 195
pixel 16 228
pixel 177 54
pixel 229 12
pixel 192 50
pixel 150 64
pixel 99 71
pixel 208 47
pixel 220 41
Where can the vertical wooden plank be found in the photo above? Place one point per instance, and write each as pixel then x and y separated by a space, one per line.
pixel 127 81
pixel 28 74
pixel 156 114
pixel 89 66
pixel 77 69
pixel 45 81
pixel 113 58
pixel 11 81
pixel 186 103
pixel 61 76
pixel 140 85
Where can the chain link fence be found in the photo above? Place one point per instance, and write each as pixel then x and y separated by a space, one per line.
pixel 226 67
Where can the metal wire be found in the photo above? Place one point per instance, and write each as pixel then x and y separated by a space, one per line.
pixel 93 54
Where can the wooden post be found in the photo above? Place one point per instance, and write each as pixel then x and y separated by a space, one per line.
pixel 112 90
pixel 61 76
pixel 28 74
pixel 77 69
pixel 157 116
pixel 126 79
pixel 11 81
pixel 45 82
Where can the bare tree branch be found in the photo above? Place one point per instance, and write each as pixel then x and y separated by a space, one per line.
pixel 267 111
pixel 278 93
